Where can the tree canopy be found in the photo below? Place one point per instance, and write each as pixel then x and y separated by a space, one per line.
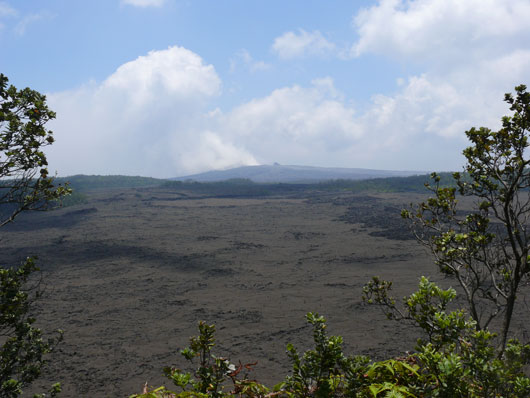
pixel 24 185
pixel 487 250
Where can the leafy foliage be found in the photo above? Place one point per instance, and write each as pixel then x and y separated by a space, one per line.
pixel 455 359
pixel 24 185
pixel 212 375
pixel 21 354
pixel 488 249
pixel 318 372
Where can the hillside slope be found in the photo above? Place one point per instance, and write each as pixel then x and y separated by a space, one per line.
pixel 293 174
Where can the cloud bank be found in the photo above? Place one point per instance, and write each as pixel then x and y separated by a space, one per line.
pixel 158 116
pixel 471 52
pixel 441 30
pixel 138 120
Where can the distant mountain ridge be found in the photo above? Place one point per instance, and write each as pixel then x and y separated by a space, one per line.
pixel 293 174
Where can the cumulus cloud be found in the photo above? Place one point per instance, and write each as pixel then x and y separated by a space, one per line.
pixel 144 3
pixel 153 116
pixel 442 29
pixel 471 53
pixel 302 43
pixel 176 73
pixel 315 125
pixel 304 125
pixel 136 121
pixel 423 123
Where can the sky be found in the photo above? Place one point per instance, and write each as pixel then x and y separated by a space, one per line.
pixel 167 88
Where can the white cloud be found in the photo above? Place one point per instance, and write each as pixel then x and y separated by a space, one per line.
pixel 421 126
pixel 176 72
pixel 211 151
pixel 425 120
pixel 144 3
pixel 153 115
pixel 134 121
pixel 471 53
pixel 302 43
pixel 442 29
pixel 315 125
pixel 143 120
pixel 422 108
pixel 305 125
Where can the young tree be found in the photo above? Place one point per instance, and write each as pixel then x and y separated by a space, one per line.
pixel 24 185
pixel 487 249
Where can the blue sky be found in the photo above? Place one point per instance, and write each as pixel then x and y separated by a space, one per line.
pixel 173 87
